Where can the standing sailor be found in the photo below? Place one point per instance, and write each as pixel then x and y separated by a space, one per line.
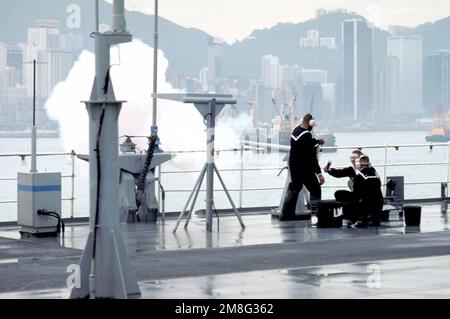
pixel 303 167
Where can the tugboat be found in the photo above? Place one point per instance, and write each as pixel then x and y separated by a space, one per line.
pixel 280 129
pixel 284 125
pixel 440 130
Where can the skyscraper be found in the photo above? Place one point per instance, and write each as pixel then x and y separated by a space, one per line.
pixel 436 82
pixel 358 42
pixel 3 73
pixel 14 59
pixel 386 87
pixel 314 75
pixel 408 51
pixel 47 46
pixel 264 112
pixel 270 71
pixel 43 37
pixel 59 63
pixel 215 58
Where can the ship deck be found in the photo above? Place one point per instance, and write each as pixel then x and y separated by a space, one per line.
pixel 269 259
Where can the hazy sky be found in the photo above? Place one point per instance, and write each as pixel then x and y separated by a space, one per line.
pixel 235 19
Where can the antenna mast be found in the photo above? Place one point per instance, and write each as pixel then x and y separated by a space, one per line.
pixel 155 69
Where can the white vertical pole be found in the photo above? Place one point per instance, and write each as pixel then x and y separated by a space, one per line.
pixel 385 166
pixel 72 182
pixel 105 270
pixel 97 18
pixel 210 120
pixel 355 71
pixel 241 183
pixel 119 24
pixel 448 169
pixel 155 68
pixel 33 168
pixel 160 204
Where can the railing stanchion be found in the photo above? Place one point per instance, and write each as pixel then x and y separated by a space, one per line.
pixel 448 169
pixel 385 167
pixel 72 182
pixel 241 182
pixel 161 205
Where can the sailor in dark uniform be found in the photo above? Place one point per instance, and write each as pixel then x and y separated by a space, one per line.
pixel 363 205
pixel 349 172
pixel 367 192
pixel 303 167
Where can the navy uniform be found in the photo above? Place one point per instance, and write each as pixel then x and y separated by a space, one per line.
pixel 350 172
pixel 303 163
pixel 367 193
pixel 304 170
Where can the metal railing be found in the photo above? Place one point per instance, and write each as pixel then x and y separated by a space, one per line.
pixel 251 147
pixel 385 164
pixel 72 175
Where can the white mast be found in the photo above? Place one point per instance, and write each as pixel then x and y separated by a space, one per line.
pixel 106 271
pixel 155 69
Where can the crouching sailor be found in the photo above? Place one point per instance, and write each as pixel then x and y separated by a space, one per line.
pixel 367 193
pixel 303 167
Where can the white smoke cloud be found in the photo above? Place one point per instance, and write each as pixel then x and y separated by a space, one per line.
pixel 180 125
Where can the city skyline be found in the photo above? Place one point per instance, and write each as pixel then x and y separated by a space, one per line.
pixel 339 66
pixel 235 20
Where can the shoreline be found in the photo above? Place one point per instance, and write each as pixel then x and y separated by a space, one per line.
pixel 51 134
pixel 55 134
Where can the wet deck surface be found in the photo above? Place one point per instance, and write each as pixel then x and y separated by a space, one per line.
pixel 268 259
pixel 393 279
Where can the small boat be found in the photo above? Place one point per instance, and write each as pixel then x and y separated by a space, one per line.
pixel 330 141
pixel 440 130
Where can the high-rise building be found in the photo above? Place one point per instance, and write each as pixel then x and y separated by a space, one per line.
pixel 313 100
pixel 3 72
pixel 14 63
pixel 49 48
pixel 204 78
pixel 291 73
pixel 358 43
pixel 192 85
pixel 71 42
pixel 175 77
pixel 313 40
pixel 41 38
pixel 59 63
pixel 436 82
pixel 386 87
pixel 264 112
pixel 215 58
pixel 329 99
pixel 408 51
pixel 327 42
pixel 270 71
pixel 314 76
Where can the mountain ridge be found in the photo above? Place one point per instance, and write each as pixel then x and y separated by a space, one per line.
pixel 185 48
